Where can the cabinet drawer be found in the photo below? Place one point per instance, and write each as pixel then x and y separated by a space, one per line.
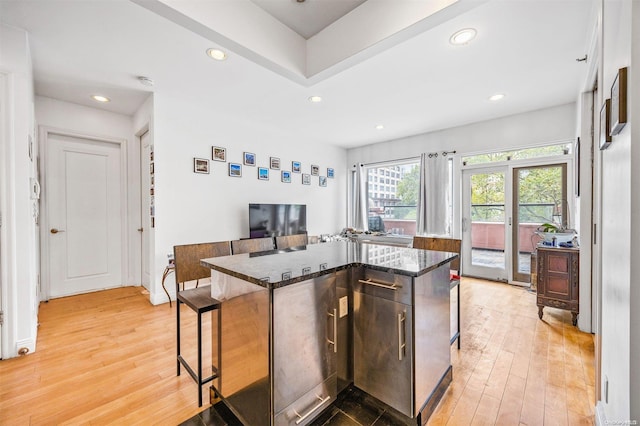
pixel 386 285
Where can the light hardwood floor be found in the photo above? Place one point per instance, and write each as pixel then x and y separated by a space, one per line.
pixel 109 357
pixel 514 369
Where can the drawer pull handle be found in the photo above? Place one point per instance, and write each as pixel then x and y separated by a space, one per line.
pixel 387 286
pixel 334 342
pixel 302 418
pixel 402 342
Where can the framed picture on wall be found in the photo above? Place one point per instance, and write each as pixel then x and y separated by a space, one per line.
pixel 315 170
pixel 619 102
pixel 249 159
pixel 263 173
pixel 274 163
pixel 306 179
pixel 235 170
pixel 322 181
pixel 296 167
pixel 286 176
pixel 200 165
pixel 218 153
pixel 605 124
pixel 330 173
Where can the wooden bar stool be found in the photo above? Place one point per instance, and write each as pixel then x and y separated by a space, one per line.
pixel 287 241
pixel 188 268
pixel 252 245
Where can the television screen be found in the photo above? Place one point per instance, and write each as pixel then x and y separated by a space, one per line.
pixel 273 220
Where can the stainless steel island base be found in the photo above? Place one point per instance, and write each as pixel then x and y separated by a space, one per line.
pixel 278 350
pixel 292 340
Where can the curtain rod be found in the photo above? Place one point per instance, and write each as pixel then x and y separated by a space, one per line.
pixel 398 160
pixel 431 154
pixel 444 153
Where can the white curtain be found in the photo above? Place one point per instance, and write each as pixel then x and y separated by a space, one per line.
pixel 360 214
pixel 434 196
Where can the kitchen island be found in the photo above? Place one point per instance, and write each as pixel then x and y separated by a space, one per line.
pixel 300 325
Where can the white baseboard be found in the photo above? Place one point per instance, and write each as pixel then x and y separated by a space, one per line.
pixel 601 420
pixel 160 297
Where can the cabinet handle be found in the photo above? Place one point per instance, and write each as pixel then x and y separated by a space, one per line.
pixel 302 418
pixel 387 286
pixel 335 330
pixel 401 335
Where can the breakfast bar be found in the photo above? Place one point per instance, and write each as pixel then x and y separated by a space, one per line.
pixel 300 325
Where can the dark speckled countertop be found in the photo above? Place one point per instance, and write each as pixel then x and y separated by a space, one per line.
pixel 277 268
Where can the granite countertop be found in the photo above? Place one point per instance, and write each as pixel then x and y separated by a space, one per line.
pixel 277 268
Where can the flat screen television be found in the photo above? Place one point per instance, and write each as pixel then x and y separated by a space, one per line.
pixel 274 220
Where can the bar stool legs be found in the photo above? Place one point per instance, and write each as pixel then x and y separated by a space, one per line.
pixel 200 300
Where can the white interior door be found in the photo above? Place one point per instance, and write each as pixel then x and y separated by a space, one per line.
pixel 84 215
pixel 145 218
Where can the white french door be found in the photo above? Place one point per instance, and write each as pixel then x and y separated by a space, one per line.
pixel 502 208
pixel 84 205
pixel 485 211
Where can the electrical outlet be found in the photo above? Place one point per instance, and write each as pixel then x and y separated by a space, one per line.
pixel 344 306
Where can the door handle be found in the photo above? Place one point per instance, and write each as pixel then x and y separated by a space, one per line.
pixel 334 315
pixel 55 231
pixel 402 340
pixel 140 229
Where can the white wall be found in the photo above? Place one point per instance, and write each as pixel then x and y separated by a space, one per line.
pixel 191 208
pixel 18 235
pixel 620 222
pixel 535 127
pixel 73 118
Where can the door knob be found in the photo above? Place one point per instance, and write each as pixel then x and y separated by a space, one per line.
pixel 140 229
pixel 55 231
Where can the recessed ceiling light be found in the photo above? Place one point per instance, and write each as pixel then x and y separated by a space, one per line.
pixel 100 98
pixel 315 99
pixel 217 54
pixel 379 127
pixel 463 36
pixel 496 97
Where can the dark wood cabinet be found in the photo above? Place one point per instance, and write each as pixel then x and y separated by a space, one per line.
pixel 558 279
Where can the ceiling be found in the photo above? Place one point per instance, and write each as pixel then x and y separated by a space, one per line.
pixel 308 18
pixel 413 83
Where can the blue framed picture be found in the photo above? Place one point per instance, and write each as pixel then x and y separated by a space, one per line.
pixel 263 173
pixel 249 159
pixel 286 176
pixel 235 170
pixel 296 167
pixel 322 180
pixel 330 173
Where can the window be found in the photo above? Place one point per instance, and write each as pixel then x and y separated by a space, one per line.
pixel 540 151
pixel 395 201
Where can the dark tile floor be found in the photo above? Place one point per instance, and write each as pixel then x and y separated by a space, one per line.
pixel 352 408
